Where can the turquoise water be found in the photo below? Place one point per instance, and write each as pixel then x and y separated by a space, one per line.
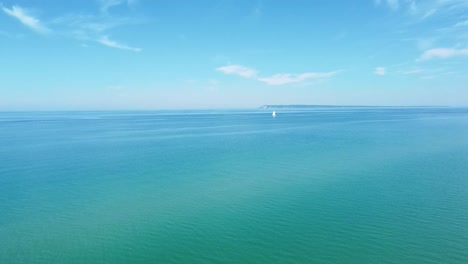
pixel 325 185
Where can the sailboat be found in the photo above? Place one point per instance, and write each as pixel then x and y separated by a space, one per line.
pixel 273 114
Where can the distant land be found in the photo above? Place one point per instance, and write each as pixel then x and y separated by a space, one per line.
pixel 336 106
pixel 299 106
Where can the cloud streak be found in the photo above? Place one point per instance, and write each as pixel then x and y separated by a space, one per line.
pixel 82 27
pixel 423 9
pixel 108 4
pixel 238 70
pixel 392 4
pixel 413 71
pixel 443 53
pixel 462 24
pixel 380 71
pixel 26 19
pixel 113 44
pixel 276 79
pixel 286 78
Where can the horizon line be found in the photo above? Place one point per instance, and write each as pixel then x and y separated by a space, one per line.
pixel 266 106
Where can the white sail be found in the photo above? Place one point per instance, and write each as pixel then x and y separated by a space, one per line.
pixel 273 114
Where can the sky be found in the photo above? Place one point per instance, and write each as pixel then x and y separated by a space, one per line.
pixel 182 54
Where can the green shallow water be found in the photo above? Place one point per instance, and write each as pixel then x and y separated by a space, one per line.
pixel 326 185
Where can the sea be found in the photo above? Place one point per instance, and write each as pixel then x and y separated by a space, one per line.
pixel 319 185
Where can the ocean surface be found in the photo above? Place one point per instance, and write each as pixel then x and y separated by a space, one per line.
pixel 321 185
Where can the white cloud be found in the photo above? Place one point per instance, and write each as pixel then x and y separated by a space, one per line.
pixel 113 44
pixel 238 70
pixel 380 71
pixel 286 78
pixel 277 79
pixel 26 19
pixel 443 53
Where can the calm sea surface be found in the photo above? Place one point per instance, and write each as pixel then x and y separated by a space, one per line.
pixel 326 185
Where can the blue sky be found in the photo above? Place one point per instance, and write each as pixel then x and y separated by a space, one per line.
pixel 142 54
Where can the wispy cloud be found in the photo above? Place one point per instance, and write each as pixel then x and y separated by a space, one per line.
pixel 462 24
pixel 84 27
pixel 286 78
pixel 276 79
pixel 433 23
pixel 425 43
pixel 393 4
pixel 26 19
pixel 428 77
pixel 428 8
pixel 238 70
pixel 380 71
pixel 108 4
pixel 90 26
pixel 413 71
pixel 423 9
pixel 114 44
pixel 443 53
